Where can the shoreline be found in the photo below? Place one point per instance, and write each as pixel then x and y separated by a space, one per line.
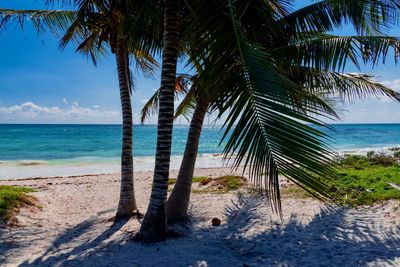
pixel 30 169
pixel 10 170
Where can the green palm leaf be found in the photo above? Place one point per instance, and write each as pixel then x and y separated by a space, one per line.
pixel 324 16
pixel 331 52
pixel 57 21
pixel 267 133
pixel 183 87
pixel 345 86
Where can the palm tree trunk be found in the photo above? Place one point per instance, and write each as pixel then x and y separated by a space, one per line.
pixel 127 203
pixel 178 201
pixel 154 227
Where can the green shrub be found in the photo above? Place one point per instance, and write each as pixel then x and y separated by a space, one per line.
pixel 231 182
pixel 196 179
pixel 360 162
pixel 383 160
pixel 370 154
pixel 355 161
pixel 365 186
pixel 11 198
pixel 362 180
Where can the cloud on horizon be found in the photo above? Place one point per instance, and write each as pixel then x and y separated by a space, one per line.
pixel 29 112
pixel 374 110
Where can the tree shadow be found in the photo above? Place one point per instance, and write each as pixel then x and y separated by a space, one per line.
pixel 247 238
pixel 13 239
pixel 333 238
pixel 62 242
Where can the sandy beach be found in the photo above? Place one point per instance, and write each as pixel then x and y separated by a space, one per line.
pixel 73 227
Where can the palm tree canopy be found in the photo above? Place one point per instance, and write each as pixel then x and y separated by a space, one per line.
pixel 273 68
pixel 95 26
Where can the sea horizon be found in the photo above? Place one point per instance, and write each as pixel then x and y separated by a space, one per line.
pixel 175 124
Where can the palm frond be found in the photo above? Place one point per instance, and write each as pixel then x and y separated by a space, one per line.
pixel 264 129
pixel 56 21
pixel 151 107
pixel 345 86
pixel 183 86
pixel 323 16
pixel 331 52
pixel 187 105
pixel 144 62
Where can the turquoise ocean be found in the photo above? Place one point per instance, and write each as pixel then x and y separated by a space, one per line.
pixel 59 150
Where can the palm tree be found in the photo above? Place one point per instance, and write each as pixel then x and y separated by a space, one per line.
pixel 93 27
pixel 198 101
pixel 154 226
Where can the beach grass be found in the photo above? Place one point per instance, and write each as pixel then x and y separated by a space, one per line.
pixel 231 182
pixel 361 180
pixel 196 179
pixel 294 191
pixel 11 198
pixel 219 185
pixel 365 180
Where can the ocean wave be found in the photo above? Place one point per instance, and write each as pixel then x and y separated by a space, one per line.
pixel 92 165
pixel 30 162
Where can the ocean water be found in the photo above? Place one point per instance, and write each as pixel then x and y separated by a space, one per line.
pixel 58 150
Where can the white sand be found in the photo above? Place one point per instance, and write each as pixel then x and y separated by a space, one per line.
pixel 74 229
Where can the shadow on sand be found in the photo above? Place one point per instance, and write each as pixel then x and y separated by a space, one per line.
pixel 20 239
pixel 247 239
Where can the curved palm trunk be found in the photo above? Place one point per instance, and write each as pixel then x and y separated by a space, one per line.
pixel 127 203
pixel 178 201
pixel 154 227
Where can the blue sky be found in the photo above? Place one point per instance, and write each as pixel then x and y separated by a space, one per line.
pixel 41 84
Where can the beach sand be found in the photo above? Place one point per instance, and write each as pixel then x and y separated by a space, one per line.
pixel 73 227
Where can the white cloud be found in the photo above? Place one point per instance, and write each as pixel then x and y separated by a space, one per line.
pixel 394 84
pixel 384 112
pixel 144 101
pixel 29 112
pixel 65 101
pixel 96 106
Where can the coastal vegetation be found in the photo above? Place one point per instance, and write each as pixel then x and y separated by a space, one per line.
pixel 365 180
pixel 195 179
pixel 220 185
pixel 12 198
pixel 360 180
pixel 272 73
